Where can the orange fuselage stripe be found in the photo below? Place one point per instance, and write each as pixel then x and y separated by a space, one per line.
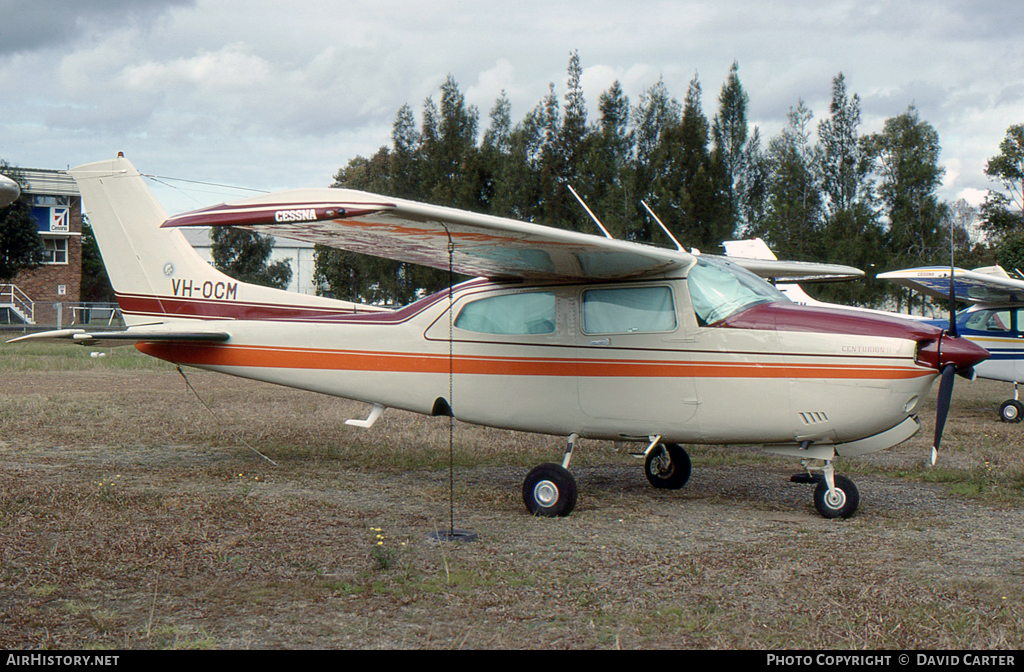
pixel 402 362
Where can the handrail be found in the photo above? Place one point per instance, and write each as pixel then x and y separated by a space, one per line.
pixel 19 300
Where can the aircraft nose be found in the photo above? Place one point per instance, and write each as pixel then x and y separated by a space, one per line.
pixel 960 352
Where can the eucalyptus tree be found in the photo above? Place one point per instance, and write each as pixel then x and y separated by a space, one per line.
pixel 245 255
pixel 496 151
pixel 687 183
pixel 792 222
pixel 730 133
pixel 404 170
pixel 907 164
pixel 843 159
pixel 450 173
pixel 850 226
pixel 517 187
pixel 606 169
pixel 1003 211
pixel 656 121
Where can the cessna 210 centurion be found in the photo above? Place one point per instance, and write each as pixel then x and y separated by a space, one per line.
pixel 560 333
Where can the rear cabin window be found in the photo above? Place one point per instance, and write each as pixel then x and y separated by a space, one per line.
pixel 528 313
pixel 628 310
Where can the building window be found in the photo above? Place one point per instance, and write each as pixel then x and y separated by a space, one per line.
pixel 43 200
pixel 55 250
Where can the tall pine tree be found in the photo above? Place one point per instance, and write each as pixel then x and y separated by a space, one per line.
pixel 730 136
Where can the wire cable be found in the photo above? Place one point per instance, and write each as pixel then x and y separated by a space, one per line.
pixel 238 437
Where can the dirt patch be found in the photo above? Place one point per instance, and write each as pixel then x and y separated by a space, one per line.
pixel 131 517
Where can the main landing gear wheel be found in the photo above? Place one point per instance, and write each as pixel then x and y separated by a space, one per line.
pixel 667 466
pixel 1011 411
pixel 549 490
pixel 841 502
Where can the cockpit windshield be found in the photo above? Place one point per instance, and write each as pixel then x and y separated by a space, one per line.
pixel 719 289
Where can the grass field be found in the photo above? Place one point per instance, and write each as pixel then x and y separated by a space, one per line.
pixel 131 516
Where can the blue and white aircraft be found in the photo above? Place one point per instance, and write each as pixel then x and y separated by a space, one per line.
pixel 995 321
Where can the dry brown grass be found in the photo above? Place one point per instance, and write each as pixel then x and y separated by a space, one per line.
pixel 132 518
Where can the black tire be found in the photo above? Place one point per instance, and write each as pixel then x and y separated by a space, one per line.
pixel 1011 411
pixel 670 475
pixel 550 491
pixel 846 500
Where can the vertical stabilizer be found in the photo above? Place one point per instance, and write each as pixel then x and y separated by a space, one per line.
pixel 156 273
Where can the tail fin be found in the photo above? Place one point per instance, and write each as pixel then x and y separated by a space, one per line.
pixel 156 273
pixel 756 248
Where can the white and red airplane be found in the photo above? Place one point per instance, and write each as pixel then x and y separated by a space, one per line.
pixel 994 320
pixel 561 333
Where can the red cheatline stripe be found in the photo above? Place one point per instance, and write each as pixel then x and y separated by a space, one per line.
pixel 354 360
pixel 212 309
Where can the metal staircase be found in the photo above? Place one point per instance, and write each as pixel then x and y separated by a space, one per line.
pixel 17 303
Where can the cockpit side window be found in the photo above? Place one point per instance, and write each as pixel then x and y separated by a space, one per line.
pixel 719 289
pixel 526 313
pixel 623 310
pixel 997 320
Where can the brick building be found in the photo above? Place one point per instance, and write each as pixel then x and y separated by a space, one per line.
pixel 57 208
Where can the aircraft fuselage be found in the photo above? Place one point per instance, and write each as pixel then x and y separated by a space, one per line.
pixel 603 367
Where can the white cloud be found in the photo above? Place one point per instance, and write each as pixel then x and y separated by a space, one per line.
pixel 973 196
pixel 290 92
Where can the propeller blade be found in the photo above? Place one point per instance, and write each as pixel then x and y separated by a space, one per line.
pixel 942 406
pixel 949 370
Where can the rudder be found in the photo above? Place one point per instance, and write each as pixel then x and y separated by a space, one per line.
pixel 157 275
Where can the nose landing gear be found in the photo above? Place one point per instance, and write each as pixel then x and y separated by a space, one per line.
pixel 667 466
pixel 834 496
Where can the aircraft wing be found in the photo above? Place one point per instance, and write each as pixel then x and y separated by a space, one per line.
pixel 797 271
pixel 482 245
pixel 982 285
pixel 755 256
pixel 148 334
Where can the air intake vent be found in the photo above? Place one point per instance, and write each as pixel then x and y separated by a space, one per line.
pixel 813 418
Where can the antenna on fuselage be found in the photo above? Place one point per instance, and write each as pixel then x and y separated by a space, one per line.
pixel 592 215
pixel 663 227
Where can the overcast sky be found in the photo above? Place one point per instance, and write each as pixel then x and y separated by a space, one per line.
pixel 276 95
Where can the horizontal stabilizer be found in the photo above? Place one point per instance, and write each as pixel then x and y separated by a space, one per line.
pixel 127 337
